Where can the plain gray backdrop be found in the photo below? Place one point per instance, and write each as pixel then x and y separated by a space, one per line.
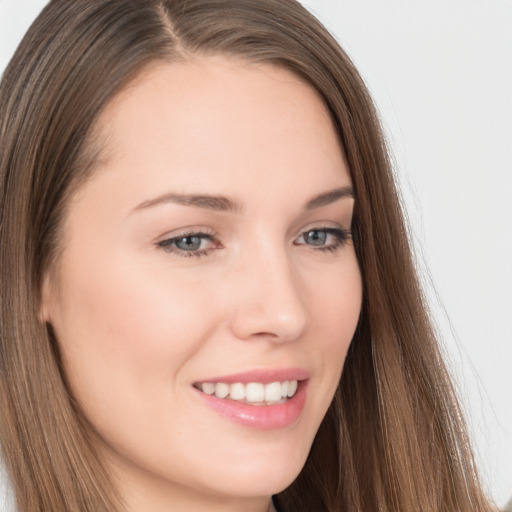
pixel 440 72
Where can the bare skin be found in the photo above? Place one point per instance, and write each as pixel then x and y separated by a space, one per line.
pixel 155 293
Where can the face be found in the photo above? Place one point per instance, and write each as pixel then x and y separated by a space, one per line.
pixel 207 271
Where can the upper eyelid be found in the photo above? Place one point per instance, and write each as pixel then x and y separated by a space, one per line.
pixel 188 231
pixel 168 246
pixel 323 225
pixel 332 230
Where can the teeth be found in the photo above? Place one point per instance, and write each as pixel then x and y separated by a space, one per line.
pixel 273 392
pixel 221 390
pixel 254 392
pixel 292 388
pixel 237 392
pixel 284 389
pixel 208 388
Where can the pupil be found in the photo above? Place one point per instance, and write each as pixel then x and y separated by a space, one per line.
pixel 189 243
pixel 316 237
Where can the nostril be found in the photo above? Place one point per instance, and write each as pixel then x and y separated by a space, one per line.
pixel 266 326
pixel 265 335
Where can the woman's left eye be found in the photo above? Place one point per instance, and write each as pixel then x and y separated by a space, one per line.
pixel 324 239
pixel 189 244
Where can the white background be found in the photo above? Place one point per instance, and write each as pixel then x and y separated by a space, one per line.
pixel 441 74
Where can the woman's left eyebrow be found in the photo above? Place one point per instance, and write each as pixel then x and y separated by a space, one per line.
pixel 329 197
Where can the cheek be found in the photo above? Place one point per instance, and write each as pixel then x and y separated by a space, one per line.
pixel 120 327
pixel 335 309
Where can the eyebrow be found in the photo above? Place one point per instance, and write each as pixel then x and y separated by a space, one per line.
pixel 329 197
pixel 225 204
pixel 209 202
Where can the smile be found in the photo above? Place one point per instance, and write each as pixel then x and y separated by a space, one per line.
pixel 253 393
pixel 262 399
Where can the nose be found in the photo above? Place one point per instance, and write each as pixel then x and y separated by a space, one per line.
pixel 267 300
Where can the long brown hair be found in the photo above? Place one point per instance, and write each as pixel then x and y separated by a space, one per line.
pixel 393 438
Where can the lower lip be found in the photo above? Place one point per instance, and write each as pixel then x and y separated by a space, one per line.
pixel 263 417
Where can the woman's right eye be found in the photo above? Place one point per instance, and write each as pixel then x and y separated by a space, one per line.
pixel 189 244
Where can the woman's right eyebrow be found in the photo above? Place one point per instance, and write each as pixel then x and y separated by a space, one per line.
pixel 207 201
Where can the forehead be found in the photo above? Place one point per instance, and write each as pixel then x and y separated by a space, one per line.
pixel 220 119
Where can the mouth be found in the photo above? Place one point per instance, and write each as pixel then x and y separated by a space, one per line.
pixel 252 393
pixel 261 399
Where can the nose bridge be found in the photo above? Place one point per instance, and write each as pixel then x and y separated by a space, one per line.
pixel 268 300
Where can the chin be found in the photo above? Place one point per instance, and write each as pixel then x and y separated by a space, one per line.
pixel 265 474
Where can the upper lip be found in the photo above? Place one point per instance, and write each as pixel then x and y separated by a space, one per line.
pixel 264 376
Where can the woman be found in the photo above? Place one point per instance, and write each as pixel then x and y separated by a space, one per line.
pixel 208 297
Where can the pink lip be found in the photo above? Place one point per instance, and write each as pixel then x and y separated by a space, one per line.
pixel 263 417
pixel 265 376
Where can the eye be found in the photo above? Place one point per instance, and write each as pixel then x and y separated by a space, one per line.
pixel 324 239
pixel 190 244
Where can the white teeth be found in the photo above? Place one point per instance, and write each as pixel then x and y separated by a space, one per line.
pixel 292 388
pixel 237 392
pixel 221 390
pixel 255 393
pixel 208 388
pixel 273 392
pixel 284 389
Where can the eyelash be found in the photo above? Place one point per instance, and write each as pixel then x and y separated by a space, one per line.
pixel 341 238
pixel 169 244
